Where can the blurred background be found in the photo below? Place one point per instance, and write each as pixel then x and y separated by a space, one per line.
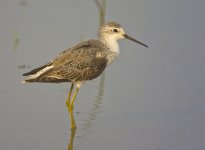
pixel 148 99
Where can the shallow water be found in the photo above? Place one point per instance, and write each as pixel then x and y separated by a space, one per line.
pixel 150 98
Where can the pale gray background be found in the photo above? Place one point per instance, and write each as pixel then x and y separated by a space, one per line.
pixel 153 99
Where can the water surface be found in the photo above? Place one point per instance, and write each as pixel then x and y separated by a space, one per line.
pixel 150 99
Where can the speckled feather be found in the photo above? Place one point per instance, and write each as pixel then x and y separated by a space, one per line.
pixel 84 61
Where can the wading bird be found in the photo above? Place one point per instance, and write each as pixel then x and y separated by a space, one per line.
pixel 82 62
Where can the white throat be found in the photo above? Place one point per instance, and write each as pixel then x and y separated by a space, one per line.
pixel 113 44
pixel 113 48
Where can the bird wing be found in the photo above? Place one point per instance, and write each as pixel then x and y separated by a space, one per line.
pixel 79 63
pixel 80 72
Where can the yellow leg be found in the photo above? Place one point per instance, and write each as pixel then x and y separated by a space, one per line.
pixel 70 105
pixel 73 98
pixel 72 120
pixel 69 94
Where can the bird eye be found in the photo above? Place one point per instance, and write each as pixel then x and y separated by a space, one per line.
pixel 115 30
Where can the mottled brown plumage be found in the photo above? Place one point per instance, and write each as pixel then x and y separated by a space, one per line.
pixel 79 63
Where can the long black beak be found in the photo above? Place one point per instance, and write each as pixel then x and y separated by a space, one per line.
pixel 132 39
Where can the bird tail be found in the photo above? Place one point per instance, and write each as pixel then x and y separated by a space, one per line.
pixel 28 81
pixel 34 71
pixel 33 75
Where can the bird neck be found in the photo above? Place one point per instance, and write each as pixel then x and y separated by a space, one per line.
pixel 113 48
pixel 111 42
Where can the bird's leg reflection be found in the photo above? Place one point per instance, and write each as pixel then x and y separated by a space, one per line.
pixel 72 136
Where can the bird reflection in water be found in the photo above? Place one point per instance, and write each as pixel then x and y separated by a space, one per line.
pixel 71 139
